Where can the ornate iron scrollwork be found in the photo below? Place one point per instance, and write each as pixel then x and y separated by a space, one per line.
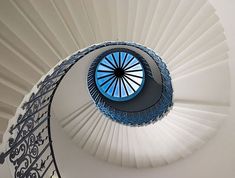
pixel 30 149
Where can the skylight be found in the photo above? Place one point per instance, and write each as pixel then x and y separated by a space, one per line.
pixel 119 76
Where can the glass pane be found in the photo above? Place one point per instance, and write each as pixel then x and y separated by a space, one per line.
pixel 116 75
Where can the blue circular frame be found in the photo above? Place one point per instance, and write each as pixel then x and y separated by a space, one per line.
pixel 138 118
pixel 111 65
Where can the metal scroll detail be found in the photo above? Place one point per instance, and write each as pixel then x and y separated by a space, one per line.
pixel 30 149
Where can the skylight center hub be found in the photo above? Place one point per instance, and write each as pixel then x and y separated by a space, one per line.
pixel 119 72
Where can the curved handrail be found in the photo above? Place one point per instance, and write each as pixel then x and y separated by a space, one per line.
pixel 29 147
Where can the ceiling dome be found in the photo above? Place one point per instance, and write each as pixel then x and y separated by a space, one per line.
pixel 119 75
pixel 150 96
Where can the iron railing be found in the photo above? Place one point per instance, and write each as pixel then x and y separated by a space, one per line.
pixel 29 150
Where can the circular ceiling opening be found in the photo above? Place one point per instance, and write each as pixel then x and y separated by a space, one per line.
pixel 119 74
pixel 121 83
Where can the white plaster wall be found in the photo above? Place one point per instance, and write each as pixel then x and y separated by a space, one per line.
pixel 5 171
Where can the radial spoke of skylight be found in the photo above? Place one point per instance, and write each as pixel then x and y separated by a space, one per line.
pixel 106 81
pixel 124 59
pixel 131 67
pixel 135 80
pixel 115 58
pixel 128 62
pixel 137 74
pixel 110 62
pixel 109 67
pixel 129 85
pixel 111 59
pixel 105 76
pixel 124 89
pixel 111 87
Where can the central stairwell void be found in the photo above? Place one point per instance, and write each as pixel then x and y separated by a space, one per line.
pixel 122 85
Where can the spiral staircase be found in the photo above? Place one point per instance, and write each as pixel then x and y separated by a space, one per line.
pixel 53 125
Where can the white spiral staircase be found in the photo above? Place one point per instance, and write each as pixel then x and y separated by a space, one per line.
pixel 187 34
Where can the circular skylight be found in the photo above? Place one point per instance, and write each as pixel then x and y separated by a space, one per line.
pixel 119 75
pixel 122 85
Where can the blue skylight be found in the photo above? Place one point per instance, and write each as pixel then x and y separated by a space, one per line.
pixel 119 76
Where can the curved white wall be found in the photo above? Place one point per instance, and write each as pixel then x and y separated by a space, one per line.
pixel 215 160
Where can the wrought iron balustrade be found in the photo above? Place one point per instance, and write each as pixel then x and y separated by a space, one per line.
pixel 29 150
